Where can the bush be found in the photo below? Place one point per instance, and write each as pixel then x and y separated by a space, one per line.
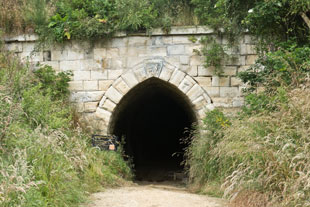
pixel 45 161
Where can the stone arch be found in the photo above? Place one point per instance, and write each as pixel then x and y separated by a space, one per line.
pixel 152 68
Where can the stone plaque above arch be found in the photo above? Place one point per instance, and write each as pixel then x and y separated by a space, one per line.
pixel 153 68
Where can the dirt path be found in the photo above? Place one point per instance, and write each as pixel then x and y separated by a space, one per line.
pixel 150 195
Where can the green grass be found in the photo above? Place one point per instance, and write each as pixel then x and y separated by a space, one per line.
pixel 44 159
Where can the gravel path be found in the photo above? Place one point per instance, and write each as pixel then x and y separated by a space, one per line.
pixel 150 195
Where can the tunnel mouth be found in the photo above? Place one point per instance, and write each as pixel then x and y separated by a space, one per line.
pixel 154 119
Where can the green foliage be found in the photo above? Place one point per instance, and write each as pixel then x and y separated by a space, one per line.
pixel 44 160
pixel 136 15
pixel 286 67
pixel 203 165
pixel 55 84
pixel 214 54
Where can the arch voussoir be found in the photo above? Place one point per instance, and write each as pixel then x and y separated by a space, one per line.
pixel 197 96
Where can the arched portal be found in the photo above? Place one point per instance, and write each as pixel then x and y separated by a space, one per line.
pixel 154 117
pixel 152 106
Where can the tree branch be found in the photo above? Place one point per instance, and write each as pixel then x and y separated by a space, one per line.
pixel 305 18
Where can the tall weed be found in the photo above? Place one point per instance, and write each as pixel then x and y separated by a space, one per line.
pixel 45 161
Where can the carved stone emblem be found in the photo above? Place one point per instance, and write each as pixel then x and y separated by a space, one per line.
pixel 153 68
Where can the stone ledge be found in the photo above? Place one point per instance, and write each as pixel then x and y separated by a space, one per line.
pixel 175 30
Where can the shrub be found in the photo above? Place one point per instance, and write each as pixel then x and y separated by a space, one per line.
pixel 44 160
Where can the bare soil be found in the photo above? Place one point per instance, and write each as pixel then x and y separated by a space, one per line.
pixel 153 195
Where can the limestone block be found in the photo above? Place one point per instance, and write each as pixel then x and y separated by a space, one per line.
pixel 251 49
pixel 202 71
pixel 176 50
pixel 222 102
pixel 133 61
pixel 204 81
pixel 215 81
pixel 108 105
pixel 173 62
pixel 140 74
pixel 90 64
pixel 81 75
pixel 103 115
pixel 75 55
pixel 100 53
pixel 238 102
pixel 99 75
pixel 229 92
pixel 14 47
pixel 184 60
pixel 181 40
pixel 165 74
pixel 154 51
pixel 33 57
pixel 196 60
pixel 234 81
pixel 53 64
pixel 130 79
pixel 59 55
pixel 121 86
pixel 66 65
pixel 222 81
pixel 106 63
pixel 29 46
pixel 200 102
pixel 90 107
pixel 247 49
pixel 193 71
pixel 105 84
pixel 135 51
pixel 113 74
pixel 230 70
pixel 204 30
pixel 242 60
pixel 250 59
pixel 195 92
pixel 190 49
pixel 76 85
pixel 90 85
pixel 177 77
pixel 183 30
pixel 86 96
pixel 167 40
pixel 213 91
pixel 207 98
pixel 113 95
pixel 118 42
pixel 248 39
pixel 186 84
pixel 118 63
pixel 161 40
pixel 112 52
pixel 139 41
pixel 102 101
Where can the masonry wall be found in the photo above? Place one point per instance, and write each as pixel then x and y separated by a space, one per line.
pixel 97 65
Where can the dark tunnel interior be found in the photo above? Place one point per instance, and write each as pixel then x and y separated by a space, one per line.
pixel 153 118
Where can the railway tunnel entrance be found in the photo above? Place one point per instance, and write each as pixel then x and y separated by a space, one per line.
pixel 153 118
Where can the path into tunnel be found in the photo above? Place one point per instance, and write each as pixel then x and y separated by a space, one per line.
pixel 154 117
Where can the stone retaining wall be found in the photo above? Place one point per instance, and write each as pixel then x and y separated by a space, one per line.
pixel 105 70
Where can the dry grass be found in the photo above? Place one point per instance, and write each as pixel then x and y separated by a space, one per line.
pixel 273 152
pixel 12 18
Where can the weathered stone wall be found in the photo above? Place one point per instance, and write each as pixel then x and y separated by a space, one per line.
pixel 105 70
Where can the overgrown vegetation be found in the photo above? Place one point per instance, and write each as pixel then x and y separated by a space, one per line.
pixel 45 160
